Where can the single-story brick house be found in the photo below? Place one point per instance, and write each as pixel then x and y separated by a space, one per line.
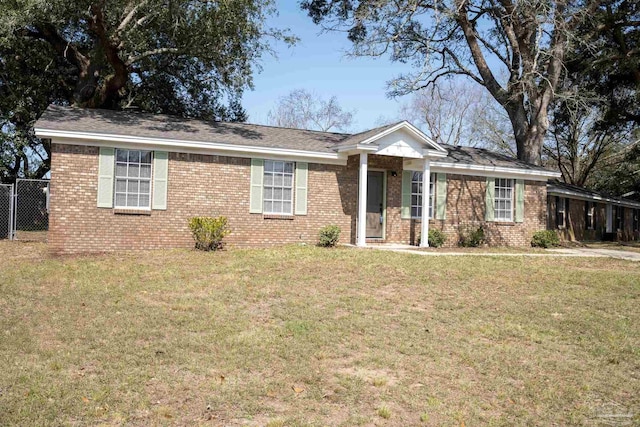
pixel 128 180
pixel 584 215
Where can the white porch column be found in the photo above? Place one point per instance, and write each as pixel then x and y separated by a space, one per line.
pixel 362 202
pixel 426 177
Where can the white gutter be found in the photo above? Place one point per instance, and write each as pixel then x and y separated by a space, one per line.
pixel 496 169
pixel 483 170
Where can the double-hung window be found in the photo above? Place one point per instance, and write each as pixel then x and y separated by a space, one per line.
pixel 416 195
pixel 503 201
pixel 589 215
pixel 278 187
pixel 133 179
pixel 561 212
pixel 619 217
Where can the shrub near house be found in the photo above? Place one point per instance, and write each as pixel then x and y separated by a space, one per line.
pixel 208 232
pixel 329 236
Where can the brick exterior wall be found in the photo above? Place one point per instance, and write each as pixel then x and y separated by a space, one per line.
pixel 198 185
pixel 219 185
pixel 576 230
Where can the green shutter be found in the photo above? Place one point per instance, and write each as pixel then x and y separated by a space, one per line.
pixel 519 200
pixel 489 200
pixel 106 165
pixel 441 195
pixel 160 180
pixel 405 211
pixel 302 174
pixel 255 196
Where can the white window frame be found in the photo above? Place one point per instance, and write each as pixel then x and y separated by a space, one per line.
pixel 117 177
pixel 591 214
pixel 561 208
pixel 508 186
pixel 274 187
pixel 618 219
pixel 416 210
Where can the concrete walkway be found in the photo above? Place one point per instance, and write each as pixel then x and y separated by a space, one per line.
pixel 562 252
pixel 611 253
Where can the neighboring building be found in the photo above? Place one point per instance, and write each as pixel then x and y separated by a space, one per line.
pixel 122 181
pixel 584 215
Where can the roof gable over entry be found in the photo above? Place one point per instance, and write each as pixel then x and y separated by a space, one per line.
pixel 398 140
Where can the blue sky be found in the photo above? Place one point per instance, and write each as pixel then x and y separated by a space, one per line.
pixel 319 64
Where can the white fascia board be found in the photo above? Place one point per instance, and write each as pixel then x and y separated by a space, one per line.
pixel 357 148
pixel 434 154
pixel 482 170
pixel 497 171
pixel 185 146
pixel 579 196
pixel 412 129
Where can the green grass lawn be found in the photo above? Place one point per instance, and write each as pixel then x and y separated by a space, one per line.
pixel 306 336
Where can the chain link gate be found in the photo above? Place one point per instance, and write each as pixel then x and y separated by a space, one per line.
pixel 6 211
pixel 31 209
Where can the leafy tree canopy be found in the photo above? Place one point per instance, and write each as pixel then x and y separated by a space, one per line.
pixel 188 57
pixel 516 49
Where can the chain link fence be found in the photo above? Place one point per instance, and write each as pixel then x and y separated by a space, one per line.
pixel 6 211
pixel 31 209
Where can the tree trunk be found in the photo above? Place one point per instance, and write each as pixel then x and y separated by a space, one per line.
pixel 529 133
pixel 532 148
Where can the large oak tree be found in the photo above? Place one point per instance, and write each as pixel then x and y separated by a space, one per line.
pixel 188 57
pixel 516 49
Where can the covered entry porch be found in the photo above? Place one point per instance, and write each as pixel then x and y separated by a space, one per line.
pixel 401 142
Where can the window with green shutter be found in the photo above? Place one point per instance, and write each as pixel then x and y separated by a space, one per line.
pixel 519 216
pixel 132 179
pixel 405 209
pixel 278 187
pixel 441 196
pixel 490 200
pixel 106 167
pixel 255 195
pixel 302 174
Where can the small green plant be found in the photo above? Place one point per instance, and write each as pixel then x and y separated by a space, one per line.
pixel 436 238
pixel 545 239
pixel 208 232
pixel 384 412
pixel 424 417
pixel 472 237
pixel 329 236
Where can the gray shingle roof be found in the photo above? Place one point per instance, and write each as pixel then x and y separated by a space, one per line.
pixel 480 156
pixel 132 123
pixel 137 124
pixel 557 187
